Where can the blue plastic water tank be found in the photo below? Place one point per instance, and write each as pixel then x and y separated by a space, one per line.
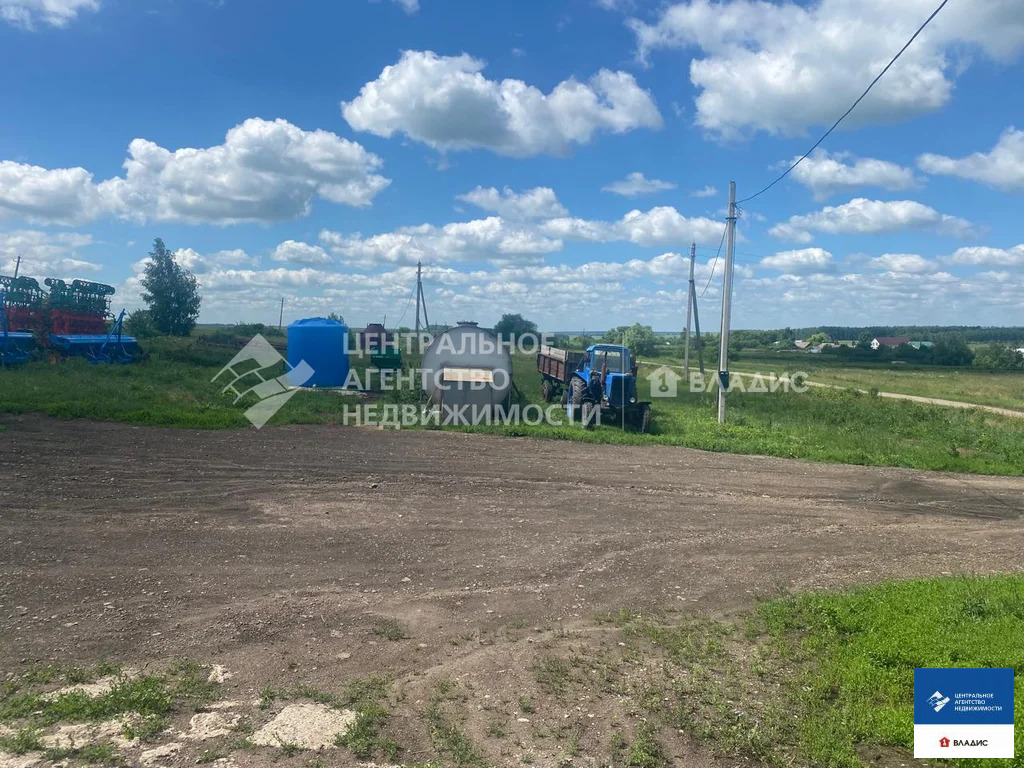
pixel 323 345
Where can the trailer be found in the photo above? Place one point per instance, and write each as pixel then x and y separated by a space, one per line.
pixel 556 367
pixel 593 384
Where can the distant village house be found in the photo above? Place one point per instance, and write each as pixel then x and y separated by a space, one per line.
pixel 888 341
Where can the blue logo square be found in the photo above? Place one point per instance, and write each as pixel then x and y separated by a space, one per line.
pixel 963 696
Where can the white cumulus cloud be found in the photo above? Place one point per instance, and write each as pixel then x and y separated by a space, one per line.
pixel 663 225
pixel 1002 168
pixel 491 239
pixel 56 13
pixel 264 171
pixel 636 184
pixel 300 253
pixel 446 103
pixel 863 216
pixel 911 263
pixel 803 261
pixel 45 196
pixel 705 191
pixel 45 254
pixel 982 254
pixel 536 203
pixel 783 67
pixel 826 174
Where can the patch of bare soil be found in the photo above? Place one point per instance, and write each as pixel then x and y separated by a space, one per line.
pixel 447 584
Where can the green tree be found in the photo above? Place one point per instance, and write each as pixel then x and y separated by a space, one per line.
pixel 819 338
pixel 139 324
pixel 864 340
pixel 999 357
pixel 171 292
pixel 511 327
pixel 951 349
pixel 639 339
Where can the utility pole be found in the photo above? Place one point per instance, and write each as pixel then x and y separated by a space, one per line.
pixel 280 317
pixel 689 314
pixel 17 266
pixel 698 339
pixel 730 255
pixel 419 292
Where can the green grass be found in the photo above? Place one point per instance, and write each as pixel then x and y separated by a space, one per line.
pixel 858 652
pixel 449 740
pixel 969 385
pixel 173 388
pixel 826 679
pixel 390 629
pixel 152 697
pixel 819 425
pixel 363 739
pixel 645 751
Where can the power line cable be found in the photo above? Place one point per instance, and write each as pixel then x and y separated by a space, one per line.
pixel 714 264
pixel 854 106
pixel 407 303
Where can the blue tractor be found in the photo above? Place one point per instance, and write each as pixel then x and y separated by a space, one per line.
pixel 597 386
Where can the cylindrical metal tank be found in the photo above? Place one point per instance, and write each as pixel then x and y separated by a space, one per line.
pixel 323 345
pixel 467 365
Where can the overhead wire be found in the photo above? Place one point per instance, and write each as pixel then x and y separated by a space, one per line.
pixel 713 265
pixel 852 107
pixel 407 305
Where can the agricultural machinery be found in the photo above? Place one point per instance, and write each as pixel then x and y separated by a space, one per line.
pixel 596 386
pixel 15 346
pixel 69 321
pixel 384 352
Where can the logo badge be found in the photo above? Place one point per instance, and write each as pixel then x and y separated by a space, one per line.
pixel 938 701
pixel 962 713
pixel 251 372
pixel 664 382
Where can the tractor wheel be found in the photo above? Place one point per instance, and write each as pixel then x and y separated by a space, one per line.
pixel 588 414
pixel 547 391
pixel 579 394
pixel 645 420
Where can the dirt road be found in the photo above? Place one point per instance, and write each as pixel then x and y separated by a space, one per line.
pixel 279 553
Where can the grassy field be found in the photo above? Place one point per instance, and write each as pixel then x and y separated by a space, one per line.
pixel 174 388
pixel 826 679
pixel 820 425
pixel 969 385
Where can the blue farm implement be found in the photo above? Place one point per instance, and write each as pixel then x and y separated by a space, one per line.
pixel 111 347
pixel 596 386
pixel 15 347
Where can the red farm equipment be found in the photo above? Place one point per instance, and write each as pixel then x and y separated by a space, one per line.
pixel 71 321
pixel 21 314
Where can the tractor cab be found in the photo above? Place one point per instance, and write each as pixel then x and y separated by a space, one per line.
pixel 609 372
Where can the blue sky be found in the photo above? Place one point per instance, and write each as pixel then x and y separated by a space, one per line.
pixel 551 158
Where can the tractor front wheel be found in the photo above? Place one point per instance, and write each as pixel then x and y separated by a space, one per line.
pixel 589 414
pixel 644 425
pixel 578 398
